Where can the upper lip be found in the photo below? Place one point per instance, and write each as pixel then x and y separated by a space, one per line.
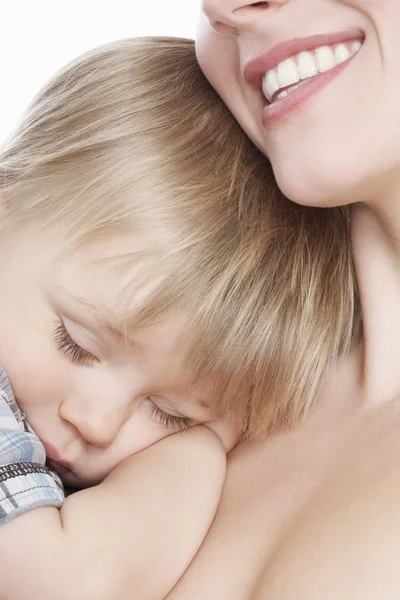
pixel 53 454
pixel 255 69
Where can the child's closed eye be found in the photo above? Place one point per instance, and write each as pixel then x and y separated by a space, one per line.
pixel 169 421
pixel 69 347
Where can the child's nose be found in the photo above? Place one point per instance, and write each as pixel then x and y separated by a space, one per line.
pixel 98 429
pixel 97 422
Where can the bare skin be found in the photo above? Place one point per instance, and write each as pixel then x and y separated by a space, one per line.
pixel 106 540
pixel 313 513
pixel 267 491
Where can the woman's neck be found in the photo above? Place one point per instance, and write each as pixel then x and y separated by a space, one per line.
pixel 376 248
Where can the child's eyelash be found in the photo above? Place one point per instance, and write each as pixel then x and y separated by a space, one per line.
pixel 170 421
pixel 68 346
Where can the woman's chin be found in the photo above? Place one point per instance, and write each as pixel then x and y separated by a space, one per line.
pixel 303 185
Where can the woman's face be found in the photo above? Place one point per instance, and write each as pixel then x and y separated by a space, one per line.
pixel 334 137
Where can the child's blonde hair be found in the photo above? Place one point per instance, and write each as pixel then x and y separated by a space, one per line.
pixel 131 138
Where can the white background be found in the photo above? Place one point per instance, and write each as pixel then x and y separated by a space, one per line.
pixel 38 36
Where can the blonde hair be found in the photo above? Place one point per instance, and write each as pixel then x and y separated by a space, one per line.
pixel 131 138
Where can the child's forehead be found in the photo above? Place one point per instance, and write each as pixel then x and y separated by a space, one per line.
pixel 115 313
pixel 112 307
pixel 117 273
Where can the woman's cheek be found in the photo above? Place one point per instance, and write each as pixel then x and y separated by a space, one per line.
pixel 218 57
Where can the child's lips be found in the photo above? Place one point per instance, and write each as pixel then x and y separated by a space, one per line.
pixel 55 461
pixel 59 467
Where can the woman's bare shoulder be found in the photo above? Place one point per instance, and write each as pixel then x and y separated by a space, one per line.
pixel 345 542
pixel 312 514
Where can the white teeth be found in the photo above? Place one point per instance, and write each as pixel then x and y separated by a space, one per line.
pixel 307 65
pixel 341 54
pixel 325 59
pixel 270 84
pixel 287 73
pixel 282 95
pixel 295 87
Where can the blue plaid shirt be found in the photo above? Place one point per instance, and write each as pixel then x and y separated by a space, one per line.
pixel 25 482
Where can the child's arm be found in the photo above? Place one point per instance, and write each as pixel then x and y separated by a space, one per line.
pixel 130 537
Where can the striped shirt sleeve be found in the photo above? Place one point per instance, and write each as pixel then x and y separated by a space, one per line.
pixel 25 482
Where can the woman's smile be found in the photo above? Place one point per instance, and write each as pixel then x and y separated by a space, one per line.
pixel 304 78
pixel 294 70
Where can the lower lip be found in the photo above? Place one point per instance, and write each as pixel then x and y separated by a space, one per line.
pixel 60 468
pixel 276 111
